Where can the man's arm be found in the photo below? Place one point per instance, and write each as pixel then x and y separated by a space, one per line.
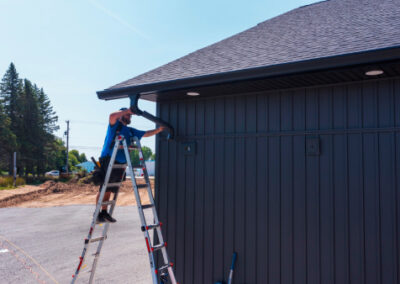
pixel 154 132
pixel 117 115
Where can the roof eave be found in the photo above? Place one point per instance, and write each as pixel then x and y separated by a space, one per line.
pixel 352 59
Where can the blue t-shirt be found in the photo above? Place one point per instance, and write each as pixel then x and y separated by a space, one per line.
pixel 128 132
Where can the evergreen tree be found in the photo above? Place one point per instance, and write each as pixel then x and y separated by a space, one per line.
pixel 43 135
pixel 27 126
pixel 9 88
pixel 7 139
pixel 49 118
pixel 32 136
pixel 11 100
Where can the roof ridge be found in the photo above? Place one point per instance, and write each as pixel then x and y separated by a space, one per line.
pixel 323 29
pixel 312 4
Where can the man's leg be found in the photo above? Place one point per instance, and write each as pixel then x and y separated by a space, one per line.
pixel 106 198
pixel 116 176
pixel 103 214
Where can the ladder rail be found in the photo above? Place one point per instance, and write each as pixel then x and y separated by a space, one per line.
pixel 141 213
pixel 100 245
pixel 96 212
pixel 155 214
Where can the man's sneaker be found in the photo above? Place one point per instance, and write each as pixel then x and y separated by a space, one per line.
pixel 100 218
pixel 108 217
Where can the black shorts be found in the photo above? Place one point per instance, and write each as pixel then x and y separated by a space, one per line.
pixel 117 175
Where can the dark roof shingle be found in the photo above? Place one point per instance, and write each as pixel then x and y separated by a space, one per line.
pixel 324 29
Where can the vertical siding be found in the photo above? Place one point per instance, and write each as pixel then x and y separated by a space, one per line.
pixel 292 217
pixel 199 200
pixel 299 189
pixel 229 183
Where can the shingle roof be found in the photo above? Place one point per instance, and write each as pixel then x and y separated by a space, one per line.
pixel 324 29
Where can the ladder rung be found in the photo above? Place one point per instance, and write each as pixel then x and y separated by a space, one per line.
pixel 164 267
pixel 150 227
pixel 129 147
pixel 158 247
pixel 108 202
pixel 119 166
pixel 114 184
pixel 141 185
pixel 146 206
pixel 97 239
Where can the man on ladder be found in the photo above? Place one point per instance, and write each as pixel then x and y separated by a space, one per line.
pixel 118 122
pixel 119 135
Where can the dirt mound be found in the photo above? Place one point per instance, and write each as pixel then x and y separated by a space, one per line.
pixel 51 186
pixel 53 193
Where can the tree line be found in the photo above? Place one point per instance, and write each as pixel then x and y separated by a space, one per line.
pixel 27 126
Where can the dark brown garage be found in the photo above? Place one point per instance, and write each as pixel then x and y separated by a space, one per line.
pixel 295 149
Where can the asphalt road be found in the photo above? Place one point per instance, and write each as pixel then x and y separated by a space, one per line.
pixel 42 245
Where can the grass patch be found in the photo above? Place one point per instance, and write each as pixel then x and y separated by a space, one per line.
pixel 7 182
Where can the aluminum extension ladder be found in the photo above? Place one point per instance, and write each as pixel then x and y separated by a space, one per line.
pixel 165 272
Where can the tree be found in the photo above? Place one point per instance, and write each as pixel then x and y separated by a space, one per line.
pixel 82 158
pixel 56 153
pixel 7 138
pixel 48 117
pixel 79 157
pixel 27 126
pixel 72 162
pixel 32 140
pixel 147 153
pixel 47 122
pixel 10 87
pixel 12 104
pixel 74 153
pixel 75 158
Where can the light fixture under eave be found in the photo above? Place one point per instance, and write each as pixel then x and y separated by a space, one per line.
pixel 193 94
pixel 374 72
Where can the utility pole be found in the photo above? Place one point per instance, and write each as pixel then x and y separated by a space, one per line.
pixel 67 133
pixel 15 169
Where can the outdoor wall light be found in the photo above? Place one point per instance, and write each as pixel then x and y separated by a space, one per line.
pixel 193 94
pixel 374 72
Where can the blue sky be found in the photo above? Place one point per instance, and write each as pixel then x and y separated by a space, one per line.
pixel 74 48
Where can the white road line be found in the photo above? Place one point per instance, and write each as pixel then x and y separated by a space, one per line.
pixel 3 250
pixel 31 258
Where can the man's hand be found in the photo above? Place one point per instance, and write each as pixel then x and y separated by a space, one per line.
pixel 118 114
pixel 131 111
pixel 154 132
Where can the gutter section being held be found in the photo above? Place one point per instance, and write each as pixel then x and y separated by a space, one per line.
pixel 135 109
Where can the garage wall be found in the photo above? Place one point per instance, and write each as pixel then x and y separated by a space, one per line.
pixel 256 186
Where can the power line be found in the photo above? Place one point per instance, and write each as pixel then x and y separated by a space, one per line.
pixel 88 122
pixel 87 147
